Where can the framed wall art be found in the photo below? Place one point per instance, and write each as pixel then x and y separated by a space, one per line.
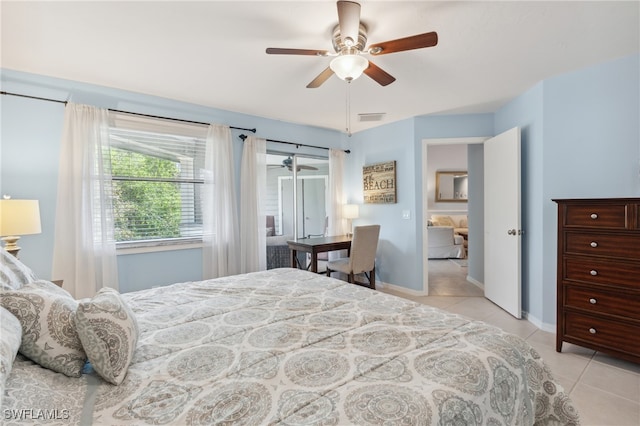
pixel 379 183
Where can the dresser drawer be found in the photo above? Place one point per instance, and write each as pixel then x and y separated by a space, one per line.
pixel 596 216
pixel 590 270
pixel 622 246
pixel 598 301
pixel 614 335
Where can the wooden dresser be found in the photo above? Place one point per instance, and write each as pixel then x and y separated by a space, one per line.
pixel 599 275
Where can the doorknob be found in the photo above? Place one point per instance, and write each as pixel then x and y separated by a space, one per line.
pixel 511 232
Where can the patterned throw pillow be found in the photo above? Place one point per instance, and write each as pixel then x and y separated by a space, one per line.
pixel 109 332
pixel 11 335
pixel 442 221
pixel 49 337
pixel 13 273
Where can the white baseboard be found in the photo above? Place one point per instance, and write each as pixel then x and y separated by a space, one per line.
pixel 549 328
pixel 402 290
pixel 475 282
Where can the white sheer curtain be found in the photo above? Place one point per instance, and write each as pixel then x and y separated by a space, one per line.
pixel 253 232
pixel 337 224
pixel 219 212
pixel 84 250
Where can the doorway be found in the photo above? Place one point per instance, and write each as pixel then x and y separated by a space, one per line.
pixel 454 277
pixel 501 225
pixel 448 231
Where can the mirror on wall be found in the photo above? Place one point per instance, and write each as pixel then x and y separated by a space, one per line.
pixel 452 186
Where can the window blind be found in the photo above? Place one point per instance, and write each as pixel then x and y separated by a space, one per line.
pixel 157 174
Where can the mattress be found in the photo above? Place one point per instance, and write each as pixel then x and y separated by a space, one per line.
pixel 291 347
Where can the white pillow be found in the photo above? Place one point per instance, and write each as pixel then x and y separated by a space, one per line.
pixel 459 220
pixel 442 220
pixel 109 333
pixel 13 273
pixel 49 337
pixel 11 333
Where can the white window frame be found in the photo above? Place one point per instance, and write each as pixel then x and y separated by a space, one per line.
pixel 120 122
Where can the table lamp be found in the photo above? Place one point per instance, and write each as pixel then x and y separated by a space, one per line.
pixel 18 217
pixel 350 212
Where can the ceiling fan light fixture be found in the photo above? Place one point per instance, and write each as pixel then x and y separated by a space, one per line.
pixel 349 67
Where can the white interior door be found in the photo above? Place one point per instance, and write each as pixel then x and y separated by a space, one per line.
pixel 502 221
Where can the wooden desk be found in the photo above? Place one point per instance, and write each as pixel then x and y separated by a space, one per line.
pixel 315 246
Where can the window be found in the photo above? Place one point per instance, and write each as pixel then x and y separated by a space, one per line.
pixel 157 171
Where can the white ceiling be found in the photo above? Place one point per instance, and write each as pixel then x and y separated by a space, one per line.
pixel 212 53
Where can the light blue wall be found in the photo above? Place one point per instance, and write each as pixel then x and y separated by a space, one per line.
pixel 29 151
pixel 399 259
pixel 591 145
pixel 29 156
pixel 475 155
pixel 592 131
pixel 581 138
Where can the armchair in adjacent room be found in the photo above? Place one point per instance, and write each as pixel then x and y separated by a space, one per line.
pixel 444 244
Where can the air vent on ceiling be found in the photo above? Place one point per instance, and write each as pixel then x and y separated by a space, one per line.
pixel 371 116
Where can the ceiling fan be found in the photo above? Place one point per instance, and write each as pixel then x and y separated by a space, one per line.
pixel 288 163
pixel 349 41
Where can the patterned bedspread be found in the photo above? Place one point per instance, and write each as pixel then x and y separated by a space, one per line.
pixel 290 347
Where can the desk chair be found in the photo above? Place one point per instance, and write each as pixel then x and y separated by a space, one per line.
pixel 363 256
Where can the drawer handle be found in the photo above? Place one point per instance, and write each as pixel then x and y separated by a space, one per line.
pixel 593 301
pixel 594 272
pixel 594 244
pixel 592 330
pixel 594 216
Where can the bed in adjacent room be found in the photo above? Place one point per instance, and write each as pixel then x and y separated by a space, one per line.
pixel 282 346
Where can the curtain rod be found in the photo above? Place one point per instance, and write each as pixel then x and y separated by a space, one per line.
pixel 126 112
pixel 298 145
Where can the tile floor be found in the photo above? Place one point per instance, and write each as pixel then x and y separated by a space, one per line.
pixel 447 278
pixel 605 390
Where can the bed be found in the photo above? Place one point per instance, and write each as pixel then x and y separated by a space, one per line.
pixel 290 347
pixel 278 253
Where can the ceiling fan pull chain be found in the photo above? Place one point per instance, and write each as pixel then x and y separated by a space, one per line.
pixel 348 109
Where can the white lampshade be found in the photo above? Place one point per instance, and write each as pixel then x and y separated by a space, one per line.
pixel 19 217
pixel 349 67
pixel 350 211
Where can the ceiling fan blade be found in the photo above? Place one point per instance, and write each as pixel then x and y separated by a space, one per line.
pixel 305 167
pixel 382 77
pixel 310 52
pixel 349 21
pixel 321 78
pixel 408 43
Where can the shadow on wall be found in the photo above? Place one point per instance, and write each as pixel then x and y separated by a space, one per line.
pixel 384 246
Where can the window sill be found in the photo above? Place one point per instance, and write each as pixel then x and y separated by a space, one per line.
pixel 157 246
